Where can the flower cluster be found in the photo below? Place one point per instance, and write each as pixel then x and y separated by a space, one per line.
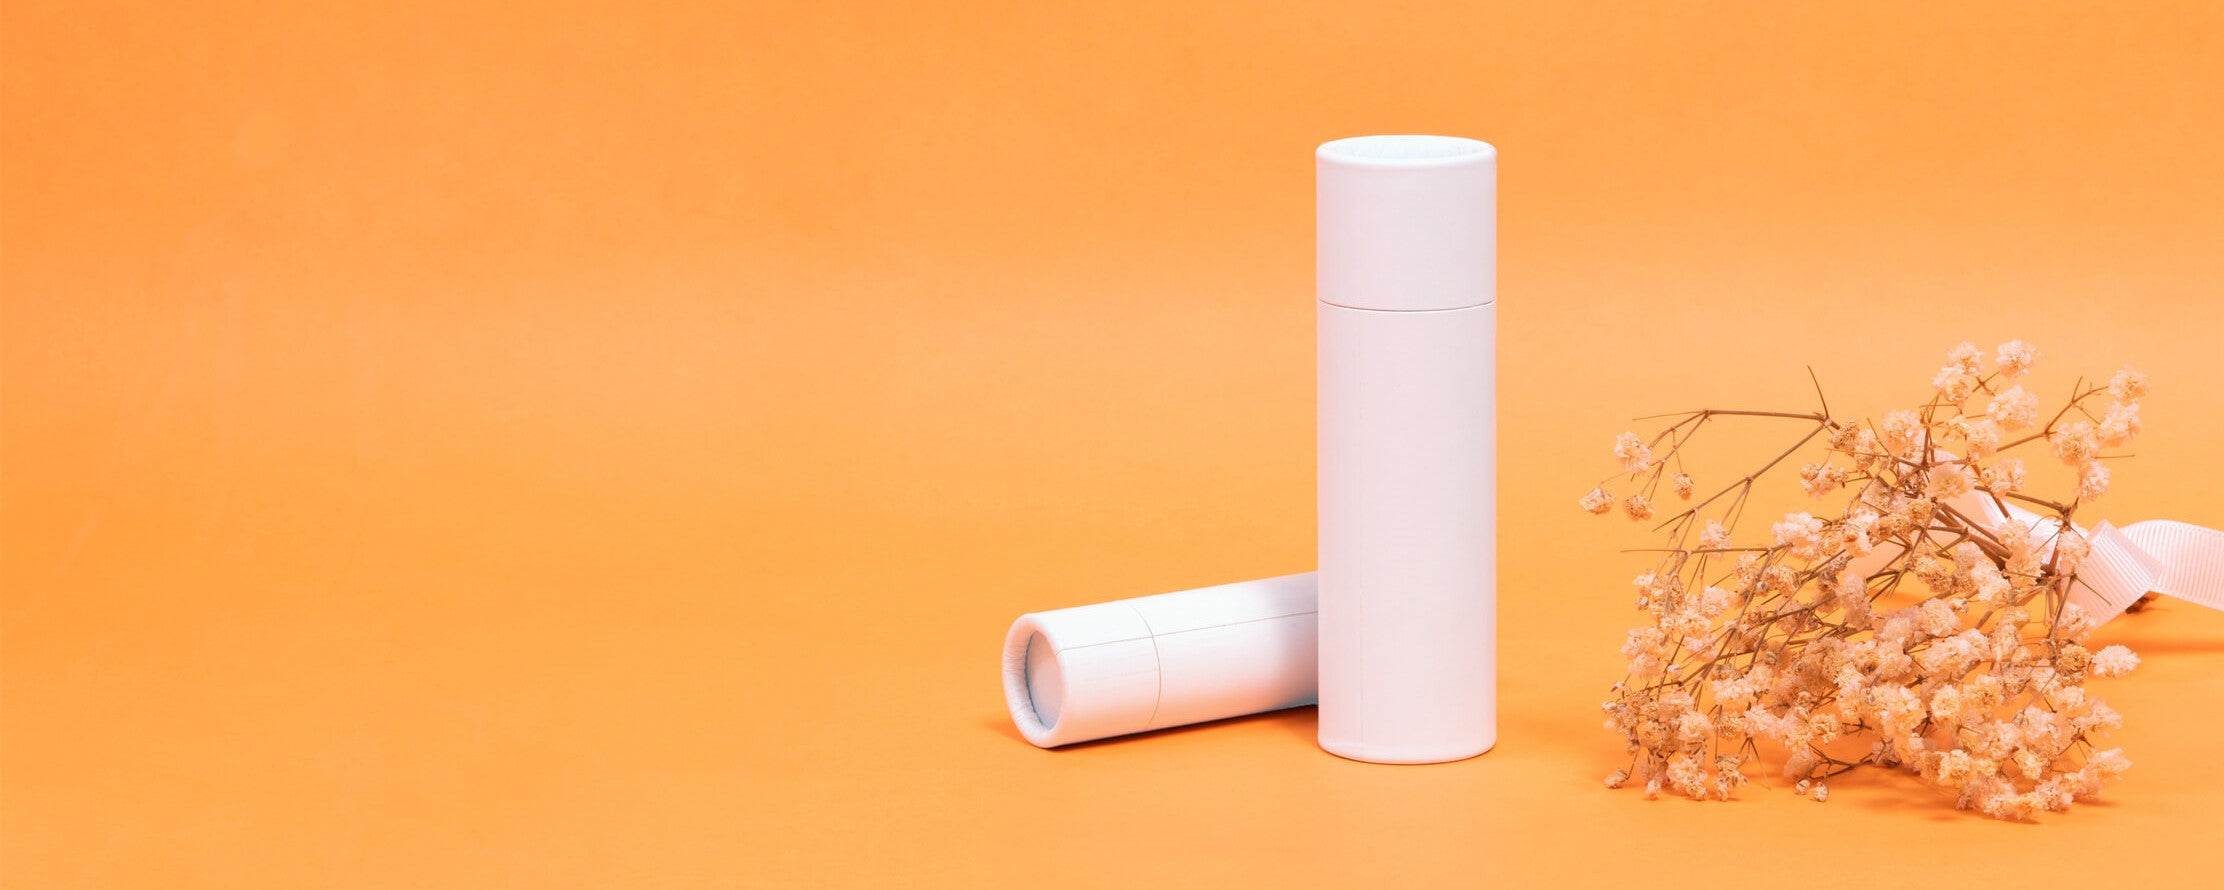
pixel 1926 624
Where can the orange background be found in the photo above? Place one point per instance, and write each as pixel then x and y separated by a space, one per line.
pixel 587 445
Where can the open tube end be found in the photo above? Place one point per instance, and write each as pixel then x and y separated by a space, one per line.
pixel 1406 150
pixel 1034 683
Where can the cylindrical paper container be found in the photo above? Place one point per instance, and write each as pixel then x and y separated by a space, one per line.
pixel 1131 665
pixel 1407 292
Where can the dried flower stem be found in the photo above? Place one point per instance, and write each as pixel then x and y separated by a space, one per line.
pixel 1795 643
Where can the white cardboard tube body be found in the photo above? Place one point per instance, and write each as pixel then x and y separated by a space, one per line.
pixel 1092 672
pixel 1408 562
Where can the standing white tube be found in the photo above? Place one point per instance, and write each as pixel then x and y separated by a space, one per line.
pixel 1407 243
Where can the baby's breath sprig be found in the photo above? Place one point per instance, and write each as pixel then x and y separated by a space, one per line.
pixel 1927 625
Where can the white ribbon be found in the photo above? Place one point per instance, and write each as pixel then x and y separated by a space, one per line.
pixel 2162 556
pixel 2176 559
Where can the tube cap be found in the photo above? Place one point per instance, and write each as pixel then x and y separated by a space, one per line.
pixel 1407 222
pixel 1092 672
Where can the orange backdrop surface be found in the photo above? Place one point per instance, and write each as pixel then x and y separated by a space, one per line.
pixel 603 445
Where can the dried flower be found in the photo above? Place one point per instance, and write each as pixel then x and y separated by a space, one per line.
pixel 2092 480
pixel 1801 534
pixel 2002 477
pixel 2114 661
pixel 1979 437
pixel 2014 409
pixel 2015 359
pixel 2109 764
pixel 1900 630
pixel 1966 358
pixel 2070 550
pixel 1944 482
pixel 1636 457
pixel 1714 537
pixel 2120 426
pixel 2074 442
pixel 1821 479
pixel 2129 384
pixel 1954 383
pixel 1901 431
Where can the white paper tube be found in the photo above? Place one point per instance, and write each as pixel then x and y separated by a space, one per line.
pixel 1407 290
pixel 1093 672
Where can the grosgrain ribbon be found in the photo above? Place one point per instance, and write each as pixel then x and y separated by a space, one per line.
pixel 2175 559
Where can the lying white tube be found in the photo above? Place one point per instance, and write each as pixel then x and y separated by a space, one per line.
pixel 1092 672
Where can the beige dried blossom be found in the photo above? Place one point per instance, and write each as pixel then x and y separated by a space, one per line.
pixel 2004 476
pixel 1980 437
pixel 2120 426
pixel 1822 479
pixel 2074 442
pixel 2070 550
pixel 1954 384
pixel 1944 482
pixel 1901 432
pixel 2114 661
pixel 2129 385
pixel 1635 455
pixel 1715 536
pixel 2015 358
pixel 1913 628
pixel 1967 358
pixel 2092 480
pixel 2014 409
pixel 1801 534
